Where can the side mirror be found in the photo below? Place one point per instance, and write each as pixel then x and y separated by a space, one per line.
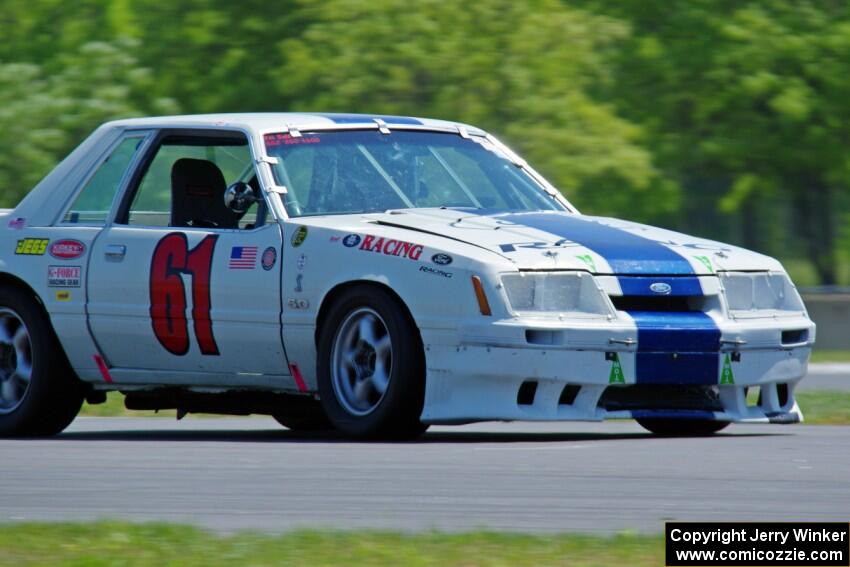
pixel 239 197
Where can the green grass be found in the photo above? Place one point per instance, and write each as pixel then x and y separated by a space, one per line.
pixel 110 543
pixel 830 356
pixel 825 407
pixel 114 407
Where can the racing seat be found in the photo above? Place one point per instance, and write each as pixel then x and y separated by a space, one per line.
pixel 197 196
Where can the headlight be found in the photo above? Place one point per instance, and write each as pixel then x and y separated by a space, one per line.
pixel 761 294
pixel 573 294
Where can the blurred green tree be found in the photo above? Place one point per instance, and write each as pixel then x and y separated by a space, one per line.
pixel 746 106
pixel 43 117
pixel 525 71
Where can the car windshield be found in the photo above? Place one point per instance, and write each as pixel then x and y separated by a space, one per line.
pixel 366 171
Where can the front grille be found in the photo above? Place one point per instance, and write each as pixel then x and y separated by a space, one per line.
pixel 660 397
pixel 658 303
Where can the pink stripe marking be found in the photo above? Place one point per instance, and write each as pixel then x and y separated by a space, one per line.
pixel 299 379
pixel 104 371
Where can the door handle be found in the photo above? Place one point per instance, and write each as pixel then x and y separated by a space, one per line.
pixel 115 251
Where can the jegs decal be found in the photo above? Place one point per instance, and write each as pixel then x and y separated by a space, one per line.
pixel 32 246
pixel 172 257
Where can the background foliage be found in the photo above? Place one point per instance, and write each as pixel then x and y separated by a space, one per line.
pixel 725 118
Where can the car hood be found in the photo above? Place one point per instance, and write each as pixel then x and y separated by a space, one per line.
pixel 563 240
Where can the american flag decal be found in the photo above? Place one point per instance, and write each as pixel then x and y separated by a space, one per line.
pixel 243 258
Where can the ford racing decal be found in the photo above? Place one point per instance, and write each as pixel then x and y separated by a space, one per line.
pixel 386 246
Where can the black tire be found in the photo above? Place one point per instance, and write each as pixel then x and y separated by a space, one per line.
pixel 54 395
pixel 304 414
pixel 681 427
pixel 396 414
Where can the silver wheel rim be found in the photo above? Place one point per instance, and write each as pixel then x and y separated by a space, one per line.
pixel 362 360
pixel 15 360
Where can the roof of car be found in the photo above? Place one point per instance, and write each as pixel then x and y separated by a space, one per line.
pixel 283 120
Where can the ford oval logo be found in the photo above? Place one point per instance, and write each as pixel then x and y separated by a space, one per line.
pixel 661 288
pixel 351 240
pixel 441 259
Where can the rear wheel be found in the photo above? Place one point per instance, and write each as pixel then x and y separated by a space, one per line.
pixel 371 367
pixel 681 427
pixel 39 394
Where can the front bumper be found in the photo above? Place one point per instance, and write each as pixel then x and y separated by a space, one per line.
pixel 521 370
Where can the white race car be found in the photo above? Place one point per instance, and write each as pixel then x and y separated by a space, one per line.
pixel 374 273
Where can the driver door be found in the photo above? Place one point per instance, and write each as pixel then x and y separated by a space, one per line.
pixel 181 289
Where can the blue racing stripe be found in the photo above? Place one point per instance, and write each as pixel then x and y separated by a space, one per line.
pixel 676 332
pixel 626 252
pixel 368 119
pixel 676 348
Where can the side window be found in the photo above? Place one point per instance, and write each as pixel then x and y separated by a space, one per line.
pixel 93 203
pixel 185 182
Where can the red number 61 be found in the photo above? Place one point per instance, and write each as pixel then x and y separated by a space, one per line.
pixel 172 257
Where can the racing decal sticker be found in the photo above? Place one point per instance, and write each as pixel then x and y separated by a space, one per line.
pixel 64 295
pixel 302 262
pixel 299 280
pixel 298 303
pixel 18 224
pixel 388 247
pixel 705 261
pixel 171 259
pixel 243 258
pixel 273 140
pixel 299 379
pixel 441 259
pixel 588 259
pixel 335 238
pixel 616 376
pixel 63 276
pixel 104 370
pixel 435 271
pixel 67 249
pixel 351 240
pixel 269 258
pixel 32 247
pixel 727 377
pixel 298 237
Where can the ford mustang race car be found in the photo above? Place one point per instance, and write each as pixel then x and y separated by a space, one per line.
pixel 373 273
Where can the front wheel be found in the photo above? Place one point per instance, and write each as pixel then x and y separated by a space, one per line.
pixel 371 366
pixel 681 427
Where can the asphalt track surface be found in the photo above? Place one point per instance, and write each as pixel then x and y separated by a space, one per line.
pixel 235 473
pixel 825 376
